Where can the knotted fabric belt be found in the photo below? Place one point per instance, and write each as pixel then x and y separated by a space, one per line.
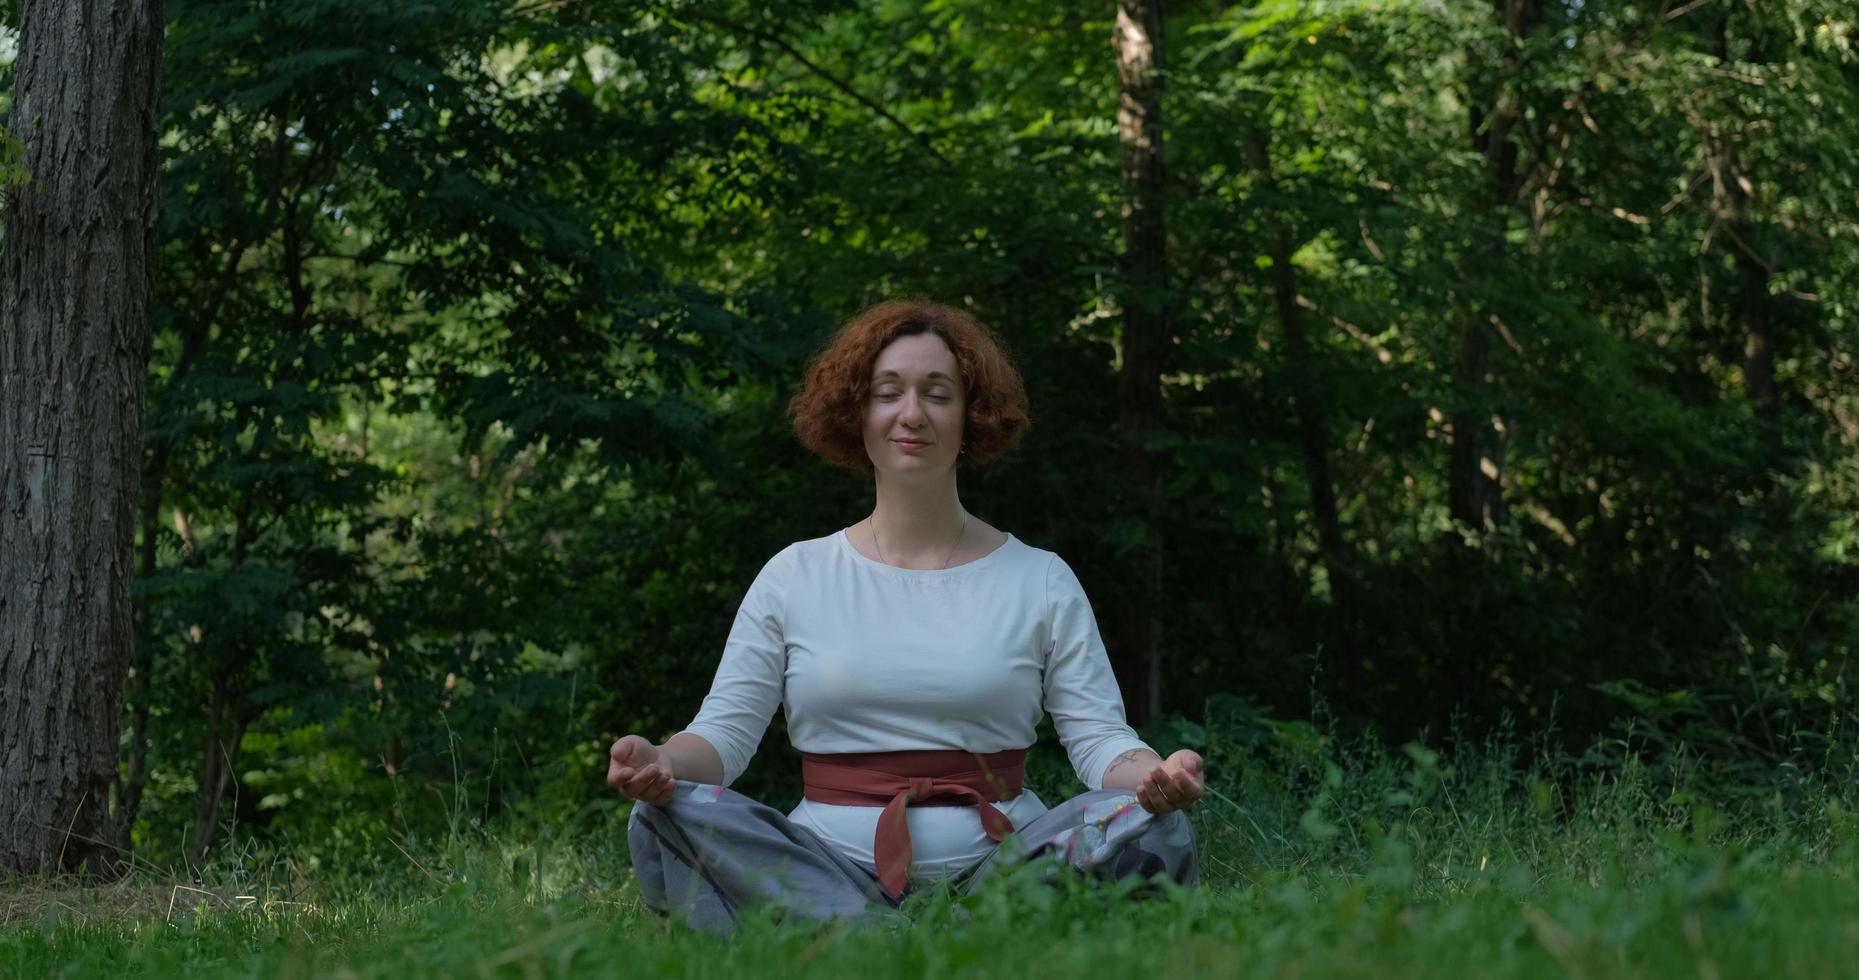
pixel 930 777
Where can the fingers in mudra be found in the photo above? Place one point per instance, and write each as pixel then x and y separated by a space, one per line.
pixel 639 770
pixel 619 765
pixel 1185 773
pixel 642 782
pixel 656 786
pixel 1172 793
pixel 1153 794
pixel 1182 789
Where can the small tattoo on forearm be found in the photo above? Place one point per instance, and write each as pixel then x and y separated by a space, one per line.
pixel 1127 757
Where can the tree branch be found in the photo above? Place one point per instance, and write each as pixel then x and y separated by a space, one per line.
pixel 833 80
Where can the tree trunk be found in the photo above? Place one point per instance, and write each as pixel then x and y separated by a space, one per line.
pixel 219 762
pixel 226 708
pixel 1468 489
pixel 1756 308
pixel 1144 301
pixel 1471 494
pixel 1312 426
pixel 157 455
pixel 76 281
pixel 1754 305
pixel 1311 408
pixel 134 777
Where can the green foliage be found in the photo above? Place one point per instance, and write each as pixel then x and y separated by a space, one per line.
pixel 476 329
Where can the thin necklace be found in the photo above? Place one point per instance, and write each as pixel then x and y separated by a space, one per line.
pixel 945 558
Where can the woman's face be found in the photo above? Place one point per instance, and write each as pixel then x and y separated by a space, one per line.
pixel 914 414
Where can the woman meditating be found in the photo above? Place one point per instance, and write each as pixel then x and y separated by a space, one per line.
pixel 913 652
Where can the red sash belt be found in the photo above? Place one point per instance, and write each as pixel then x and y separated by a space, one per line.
pixel 894 780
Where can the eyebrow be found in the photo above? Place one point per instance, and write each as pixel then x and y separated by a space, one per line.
pixel 933 375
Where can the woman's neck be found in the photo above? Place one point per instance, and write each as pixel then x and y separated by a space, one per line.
pixel 916 519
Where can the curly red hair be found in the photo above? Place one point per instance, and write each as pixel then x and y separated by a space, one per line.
pixel 828 412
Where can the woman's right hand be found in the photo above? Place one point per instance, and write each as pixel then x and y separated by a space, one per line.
pixel 640 770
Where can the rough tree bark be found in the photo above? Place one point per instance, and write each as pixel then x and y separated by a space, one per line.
pixel 1144 299
pixel 1471 493
pixel 76 280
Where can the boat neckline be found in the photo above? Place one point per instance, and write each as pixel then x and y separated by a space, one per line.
pixel 845 541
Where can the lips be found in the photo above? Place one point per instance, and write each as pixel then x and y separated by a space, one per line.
pixel 910 443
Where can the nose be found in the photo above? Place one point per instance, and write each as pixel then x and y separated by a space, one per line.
pixel 910 412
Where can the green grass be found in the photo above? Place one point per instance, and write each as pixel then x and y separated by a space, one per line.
pixel 1320 861
pixel 1726 918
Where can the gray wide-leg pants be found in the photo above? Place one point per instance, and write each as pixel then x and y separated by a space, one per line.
pixel 713 852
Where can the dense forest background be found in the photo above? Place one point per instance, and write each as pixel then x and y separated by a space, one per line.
pixel 1447 365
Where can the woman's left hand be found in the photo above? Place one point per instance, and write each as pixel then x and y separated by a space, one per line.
pixel 1174 785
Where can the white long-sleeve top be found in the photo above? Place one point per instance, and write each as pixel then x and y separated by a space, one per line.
pixel 867 657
